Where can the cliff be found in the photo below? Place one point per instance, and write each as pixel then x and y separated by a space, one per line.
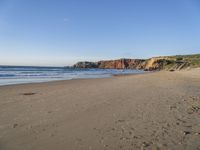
pixel 120 64
pixel 111 64
pixel 155 63
pixel 177 62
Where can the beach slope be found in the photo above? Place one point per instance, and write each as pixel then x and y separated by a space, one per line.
pixel 159 110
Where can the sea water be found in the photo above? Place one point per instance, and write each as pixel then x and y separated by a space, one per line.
pixel 20 74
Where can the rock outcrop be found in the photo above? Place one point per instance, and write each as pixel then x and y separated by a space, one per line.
pixel 86 64
pixel 155 63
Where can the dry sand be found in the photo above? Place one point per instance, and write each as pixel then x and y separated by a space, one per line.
pixel 158 110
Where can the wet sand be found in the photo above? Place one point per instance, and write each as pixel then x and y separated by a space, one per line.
pixel 158 110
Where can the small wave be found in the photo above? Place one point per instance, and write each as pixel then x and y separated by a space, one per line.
pixel 14 74
pixel 6 75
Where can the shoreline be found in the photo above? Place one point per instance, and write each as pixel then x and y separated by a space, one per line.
pixel 158 110
pixel 114 75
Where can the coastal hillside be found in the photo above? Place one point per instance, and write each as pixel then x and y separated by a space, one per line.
pixel 171 63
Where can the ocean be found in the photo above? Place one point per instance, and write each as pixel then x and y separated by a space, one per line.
pixel 20 74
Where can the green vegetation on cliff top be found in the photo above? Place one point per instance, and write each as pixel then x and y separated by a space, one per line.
pixel 191 61
pixel 194 60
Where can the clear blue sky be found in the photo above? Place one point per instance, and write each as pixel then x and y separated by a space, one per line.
pixel 61 32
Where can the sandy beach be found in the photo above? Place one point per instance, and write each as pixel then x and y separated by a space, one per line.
pixel 159 110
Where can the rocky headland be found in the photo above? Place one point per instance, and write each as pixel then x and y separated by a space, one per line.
pixel 171 63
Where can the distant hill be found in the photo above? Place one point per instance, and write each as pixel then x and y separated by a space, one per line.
pixel 171 63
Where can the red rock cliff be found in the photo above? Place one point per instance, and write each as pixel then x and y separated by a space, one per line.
pixel 119 64
pixel 112 64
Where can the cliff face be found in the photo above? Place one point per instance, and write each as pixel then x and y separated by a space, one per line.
pixel 111 64
pixel 154 63
pixel 120 64
pixel 169 63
